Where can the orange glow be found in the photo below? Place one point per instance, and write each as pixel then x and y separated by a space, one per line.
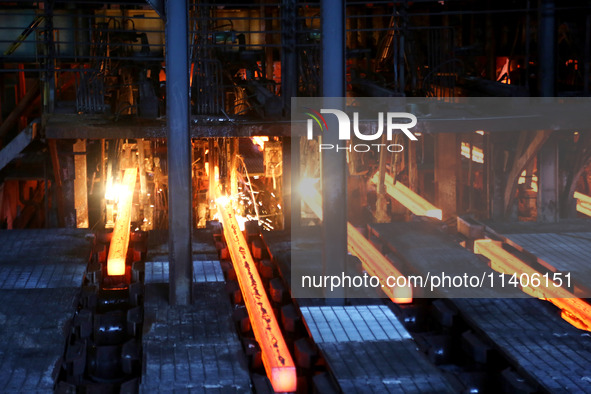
pixel 574 310
pixel 277 360
pixel 534 180
pixel 310 196
pixel 377 265
pixel 583 208
pixel 583 203
pixel 373 262
pixel 409 199
pixel 260 141
pixel 582 197
pixel 477 154
pixel 120 240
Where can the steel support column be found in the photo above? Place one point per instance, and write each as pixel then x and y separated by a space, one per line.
pixel 179 152
pixel 547 45
pixel 288 52
pixel 548 184
pixel 334 165
pixel 447 162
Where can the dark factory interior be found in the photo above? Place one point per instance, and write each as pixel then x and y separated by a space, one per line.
pixel 197 196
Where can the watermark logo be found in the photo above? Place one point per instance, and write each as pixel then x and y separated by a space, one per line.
pixel 316 116
pixel 402 121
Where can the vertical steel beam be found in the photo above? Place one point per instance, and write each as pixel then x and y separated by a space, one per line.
pixel 49 86
pixel 447 163
pixel 179 152
pixel 288 52
pixel 334 165
pixel 291 203
pixel 382 202
pixel 547 46
pixel 548 184
pixel 587 57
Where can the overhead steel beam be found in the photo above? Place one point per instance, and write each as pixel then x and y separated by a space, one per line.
pixel 288 51
pixel 179 152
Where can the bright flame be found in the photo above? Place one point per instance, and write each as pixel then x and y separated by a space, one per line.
pixel 477 153
pixel 574 310
pixel 481 132
pixel 277 360
pixel 411 200
pixel 120 239
pixel 371 259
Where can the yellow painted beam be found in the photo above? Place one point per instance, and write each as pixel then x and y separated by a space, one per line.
pixel 277 360
pixel 574 310
pixel 120 239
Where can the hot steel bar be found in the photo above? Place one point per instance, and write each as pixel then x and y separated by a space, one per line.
pixel 120 240
pixel 583 203
pixel 275 354
pixel 574 310
pixel 371 259
pixel 411 201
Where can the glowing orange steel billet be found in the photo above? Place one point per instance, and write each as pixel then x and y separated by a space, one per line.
pixel 582 197
pixel 409 199
pixel 275 354
pixel 574 310
pixel 583 203
pixel 377 265
pixel 372 260
pixel 120 239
